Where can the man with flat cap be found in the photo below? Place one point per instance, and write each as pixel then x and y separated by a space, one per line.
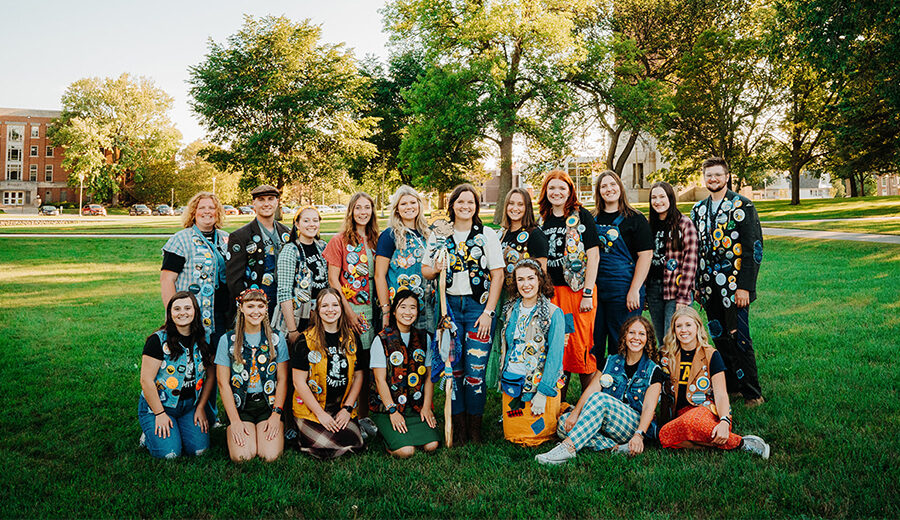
pixel 253 249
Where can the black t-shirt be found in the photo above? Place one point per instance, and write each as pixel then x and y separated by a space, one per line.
pixel 336 376
pixel 317 266
pixel 153 348
pixel 537 242
pixel 658 376
pixel 555 229
pixel 634 229
pixel 716 365
pixel 658 263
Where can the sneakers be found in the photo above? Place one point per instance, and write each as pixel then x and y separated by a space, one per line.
pixel 142 442
pixel 622 449
pixel 755 445
pixel 558 455
pixel 368 428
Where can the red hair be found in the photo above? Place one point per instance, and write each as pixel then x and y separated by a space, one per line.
pixel 544 205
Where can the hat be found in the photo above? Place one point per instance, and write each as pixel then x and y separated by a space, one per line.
pixel 264 189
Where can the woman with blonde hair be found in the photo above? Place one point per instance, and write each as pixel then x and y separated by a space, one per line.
pixel 696 401
pixel 399 253
pixel 325 370
pixel 252 372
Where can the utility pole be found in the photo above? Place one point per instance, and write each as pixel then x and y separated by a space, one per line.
pixel 80 193
pixel 172 201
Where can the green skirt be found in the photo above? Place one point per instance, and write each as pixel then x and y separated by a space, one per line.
pixel 418 432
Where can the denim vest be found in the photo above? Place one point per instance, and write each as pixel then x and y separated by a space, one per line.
pixel 405 269
pixel 170 377
pixel 202 273
pixel 240 372
pixel 631 391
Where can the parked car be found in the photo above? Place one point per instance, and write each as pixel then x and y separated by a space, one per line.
pixel 178 211
pixel 163 209
pixel 231 210
pixel 93 210
pixel 139 209
pixel 245 210
pixel 323 209
pixel 339 208
pixel 49 210
pixel 287 210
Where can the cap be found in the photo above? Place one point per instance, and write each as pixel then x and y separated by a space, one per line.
pixel 263 190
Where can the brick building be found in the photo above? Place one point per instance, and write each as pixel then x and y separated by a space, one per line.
pixel 887 184
pixel 32 171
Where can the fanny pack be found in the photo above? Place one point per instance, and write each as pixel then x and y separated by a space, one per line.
pixel 512 384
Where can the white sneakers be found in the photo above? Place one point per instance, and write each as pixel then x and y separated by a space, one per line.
pixel 558 455
pixel 756 445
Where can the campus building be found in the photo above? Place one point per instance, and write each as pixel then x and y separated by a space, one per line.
pixel 32 172
pixel 887 184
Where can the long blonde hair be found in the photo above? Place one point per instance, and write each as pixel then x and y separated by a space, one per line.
pixel 190 212
pixel 345 333
pixel 348 228
pixel 251 295
pixel 395 222
pixel 670 342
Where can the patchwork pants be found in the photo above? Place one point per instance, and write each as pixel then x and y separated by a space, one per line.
pixel 730 331
pixel 469 387
pixel 603 423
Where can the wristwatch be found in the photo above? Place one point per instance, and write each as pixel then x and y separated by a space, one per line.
pixel 348 407
pixel 489 313
pixel 392 409
pixel 639 432
pixel 279 410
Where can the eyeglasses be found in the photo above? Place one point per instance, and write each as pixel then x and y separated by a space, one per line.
pixel 717 174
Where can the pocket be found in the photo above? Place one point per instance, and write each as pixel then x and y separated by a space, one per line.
pixel 570 323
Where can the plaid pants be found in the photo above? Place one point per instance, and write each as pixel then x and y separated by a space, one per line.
pixel 603 423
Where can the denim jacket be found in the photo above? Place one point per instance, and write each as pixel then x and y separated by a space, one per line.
pixel 631 391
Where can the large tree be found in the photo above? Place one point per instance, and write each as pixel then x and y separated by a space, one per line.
pixel 114 130
pixel 283 105
pixel 496 75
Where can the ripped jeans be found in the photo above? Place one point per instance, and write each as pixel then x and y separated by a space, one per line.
pixel 469 393
pixel 184 436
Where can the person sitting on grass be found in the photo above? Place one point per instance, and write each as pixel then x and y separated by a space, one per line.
pixel 616 410
pixel 174 382
pixel 326 382
pixel 252 373
pixel 696 395
pixel 402 395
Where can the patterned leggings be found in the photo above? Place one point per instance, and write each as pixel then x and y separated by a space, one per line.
pixel 603 423
pixel 695 425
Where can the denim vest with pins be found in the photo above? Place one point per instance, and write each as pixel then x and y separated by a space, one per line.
pixel 265 364
pixel 630 391
pixel 171 374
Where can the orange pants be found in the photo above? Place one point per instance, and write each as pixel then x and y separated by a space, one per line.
pixel 522 427
pixel 695 425
pixel 577 357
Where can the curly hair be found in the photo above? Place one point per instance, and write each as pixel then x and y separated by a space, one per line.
pixel 545 285
pixel 649 347
pixel 190 211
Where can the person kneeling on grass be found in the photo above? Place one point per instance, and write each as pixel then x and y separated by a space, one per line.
pixel 615 411
pixel 697 392
pixel 174 382
pixel 402 395
pixel 327 382
pixel 252 373
pixel 531 357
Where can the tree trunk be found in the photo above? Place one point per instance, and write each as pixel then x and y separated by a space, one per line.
pixel 626 152
pixel 280 186
pixel 440 202
pixel 854 191
pixel 795 182
pixel 506 143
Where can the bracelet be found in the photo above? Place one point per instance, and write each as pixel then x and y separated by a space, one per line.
pixel 726 419
pixel 292 331
pixel 160 413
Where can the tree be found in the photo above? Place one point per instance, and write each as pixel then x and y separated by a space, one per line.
pixel 496 75
pixel 113 130
pixel 281 104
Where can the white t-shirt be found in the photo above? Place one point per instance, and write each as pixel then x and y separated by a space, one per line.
pixel 492 250
pixel 377 359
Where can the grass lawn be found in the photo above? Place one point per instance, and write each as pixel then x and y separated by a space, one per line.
pixel 74 314
pixel 878 226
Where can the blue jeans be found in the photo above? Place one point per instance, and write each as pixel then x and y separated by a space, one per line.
pixel 184 435
pixel 611 314
pixel 469 389
pixel 661 310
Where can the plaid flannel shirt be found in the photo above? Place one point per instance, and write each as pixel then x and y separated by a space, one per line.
pixel 675 288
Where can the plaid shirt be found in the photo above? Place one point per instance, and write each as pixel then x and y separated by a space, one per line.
pixel 679 284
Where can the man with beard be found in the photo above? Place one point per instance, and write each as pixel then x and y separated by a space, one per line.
pixel 730 251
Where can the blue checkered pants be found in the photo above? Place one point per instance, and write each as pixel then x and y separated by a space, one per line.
pixel 603 423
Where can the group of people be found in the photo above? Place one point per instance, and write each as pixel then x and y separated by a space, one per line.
pixel 352 337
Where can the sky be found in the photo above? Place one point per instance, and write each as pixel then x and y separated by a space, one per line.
pixel 52 43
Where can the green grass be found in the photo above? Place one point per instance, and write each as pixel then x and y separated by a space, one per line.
pixel 877 226
pixel 74 313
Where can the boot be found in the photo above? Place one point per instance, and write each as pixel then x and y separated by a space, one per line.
pixel 459 429
pixel 474 426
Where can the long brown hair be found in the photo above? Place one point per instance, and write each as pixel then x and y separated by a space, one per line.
pixel 649 347
pixel 457 192
pixel 572 204
pixel 348 228
pixel 251 295
pixel 625 209
pixel 345 333
pixel 545 284
pixel 528 222
pixel 672 223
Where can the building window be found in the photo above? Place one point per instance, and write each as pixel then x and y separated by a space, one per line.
pixel 13 198
pixel 34 151
pixel 48 197
pixel 49 151
pixel 638 175
pixel 14 153
pixel 32 173
pixel 15 133
pixel 48 173
pixel 63 195
pixel 35 131
pixel 14 172
pixel 884 181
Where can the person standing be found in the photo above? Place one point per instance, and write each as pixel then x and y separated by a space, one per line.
pixel 254 248
pixel 730 253
pixel 670 282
